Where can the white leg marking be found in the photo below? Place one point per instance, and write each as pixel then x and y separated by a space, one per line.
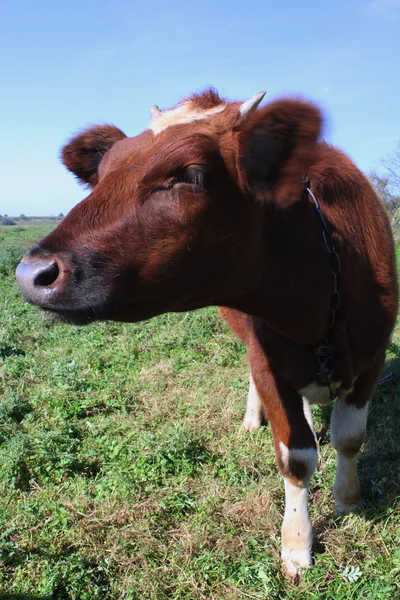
pixel 348 425
pixel 346 489
pixel 253 416
pixel 296 527
pixel 308 416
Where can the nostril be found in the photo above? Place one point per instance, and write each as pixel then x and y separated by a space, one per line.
pixel 47 275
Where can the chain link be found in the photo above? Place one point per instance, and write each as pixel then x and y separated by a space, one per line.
pixel 334 262
pixel 324 350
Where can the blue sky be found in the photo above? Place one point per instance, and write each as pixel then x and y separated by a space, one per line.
pixel 65 65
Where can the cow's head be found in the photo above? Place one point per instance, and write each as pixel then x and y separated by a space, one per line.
pixel 175 217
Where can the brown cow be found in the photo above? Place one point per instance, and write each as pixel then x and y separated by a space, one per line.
pixel 209 207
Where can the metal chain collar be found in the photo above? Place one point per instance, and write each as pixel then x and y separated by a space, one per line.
pixel 324 350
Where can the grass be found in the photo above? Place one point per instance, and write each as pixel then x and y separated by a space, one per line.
pixel 124 473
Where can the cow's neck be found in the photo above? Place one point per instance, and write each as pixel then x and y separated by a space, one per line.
pixel 294 271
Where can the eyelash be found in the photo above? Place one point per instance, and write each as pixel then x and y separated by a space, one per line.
pixel 196 175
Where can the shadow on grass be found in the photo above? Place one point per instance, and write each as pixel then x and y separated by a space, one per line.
pixel 380 454
pixel 7 351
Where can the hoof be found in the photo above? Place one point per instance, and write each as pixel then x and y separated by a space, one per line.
pixel 345 508
pixel 346 499
pixel 251 422
pixel 295 562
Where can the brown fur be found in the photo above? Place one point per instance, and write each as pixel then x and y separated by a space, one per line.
pixel 206 100
pixel 276 147
pixel 213 213
pixel 84 152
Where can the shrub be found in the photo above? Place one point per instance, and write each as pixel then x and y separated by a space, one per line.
pixel 6 221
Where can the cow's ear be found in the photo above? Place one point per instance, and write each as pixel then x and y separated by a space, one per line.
pixel 276 146
pixel 82 155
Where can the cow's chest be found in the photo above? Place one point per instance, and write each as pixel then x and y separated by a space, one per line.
pixel 316 393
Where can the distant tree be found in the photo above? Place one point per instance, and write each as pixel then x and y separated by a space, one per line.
pixel 391 164
pixel 387 182
pixel 60 216
pixel 6 221
pixel 384 189
pixel 23 217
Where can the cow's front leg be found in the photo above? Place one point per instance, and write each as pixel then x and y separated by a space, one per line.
pixel 298 464
pixel 297 456
pixel 348 425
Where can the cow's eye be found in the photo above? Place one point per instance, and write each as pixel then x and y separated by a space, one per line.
pixel 197 176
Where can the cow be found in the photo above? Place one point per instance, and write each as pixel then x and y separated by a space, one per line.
pixel 245 208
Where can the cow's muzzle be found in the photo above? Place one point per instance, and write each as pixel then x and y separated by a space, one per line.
pixel 40 279
pixel 72 290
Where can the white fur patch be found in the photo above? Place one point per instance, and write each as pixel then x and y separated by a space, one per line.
pixel 182 115
pixel 348 424
pixel 346 489
pixel 308 416
pixel 307 456
pixel 253 416
pixel 296 526
pixel 316 393
pixel 296 529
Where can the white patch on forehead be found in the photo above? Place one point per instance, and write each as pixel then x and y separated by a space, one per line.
pixel 181 115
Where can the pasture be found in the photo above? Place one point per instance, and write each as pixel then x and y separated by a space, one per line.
pixel 124 472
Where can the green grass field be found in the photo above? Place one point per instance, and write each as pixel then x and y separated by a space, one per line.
pixel 124 472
